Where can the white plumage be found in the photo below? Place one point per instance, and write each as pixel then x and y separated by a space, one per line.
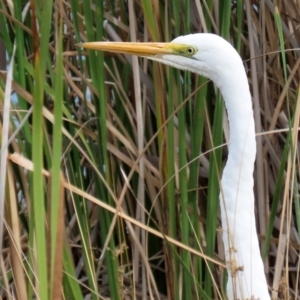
pixel 212 56
pixel 219 61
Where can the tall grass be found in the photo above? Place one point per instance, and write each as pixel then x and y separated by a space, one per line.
pixel 114 162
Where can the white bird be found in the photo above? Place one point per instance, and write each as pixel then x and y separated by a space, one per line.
pixel 213 57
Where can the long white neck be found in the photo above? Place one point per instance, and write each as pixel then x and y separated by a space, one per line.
pixel 246 277
pixel 216 59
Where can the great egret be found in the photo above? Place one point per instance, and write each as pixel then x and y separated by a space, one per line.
pixel 213 57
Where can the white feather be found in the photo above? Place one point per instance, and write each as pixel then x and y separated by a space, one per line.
pixel 218 60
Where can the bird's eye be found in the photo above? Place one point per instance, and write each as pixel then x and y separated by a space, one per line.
pixel 190 50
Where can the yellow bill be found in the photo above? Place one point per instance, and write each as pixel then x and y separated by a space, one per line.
pixel 140 49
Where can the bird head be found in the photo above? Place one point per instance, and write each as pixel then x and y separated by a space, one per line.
pixel 203 53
